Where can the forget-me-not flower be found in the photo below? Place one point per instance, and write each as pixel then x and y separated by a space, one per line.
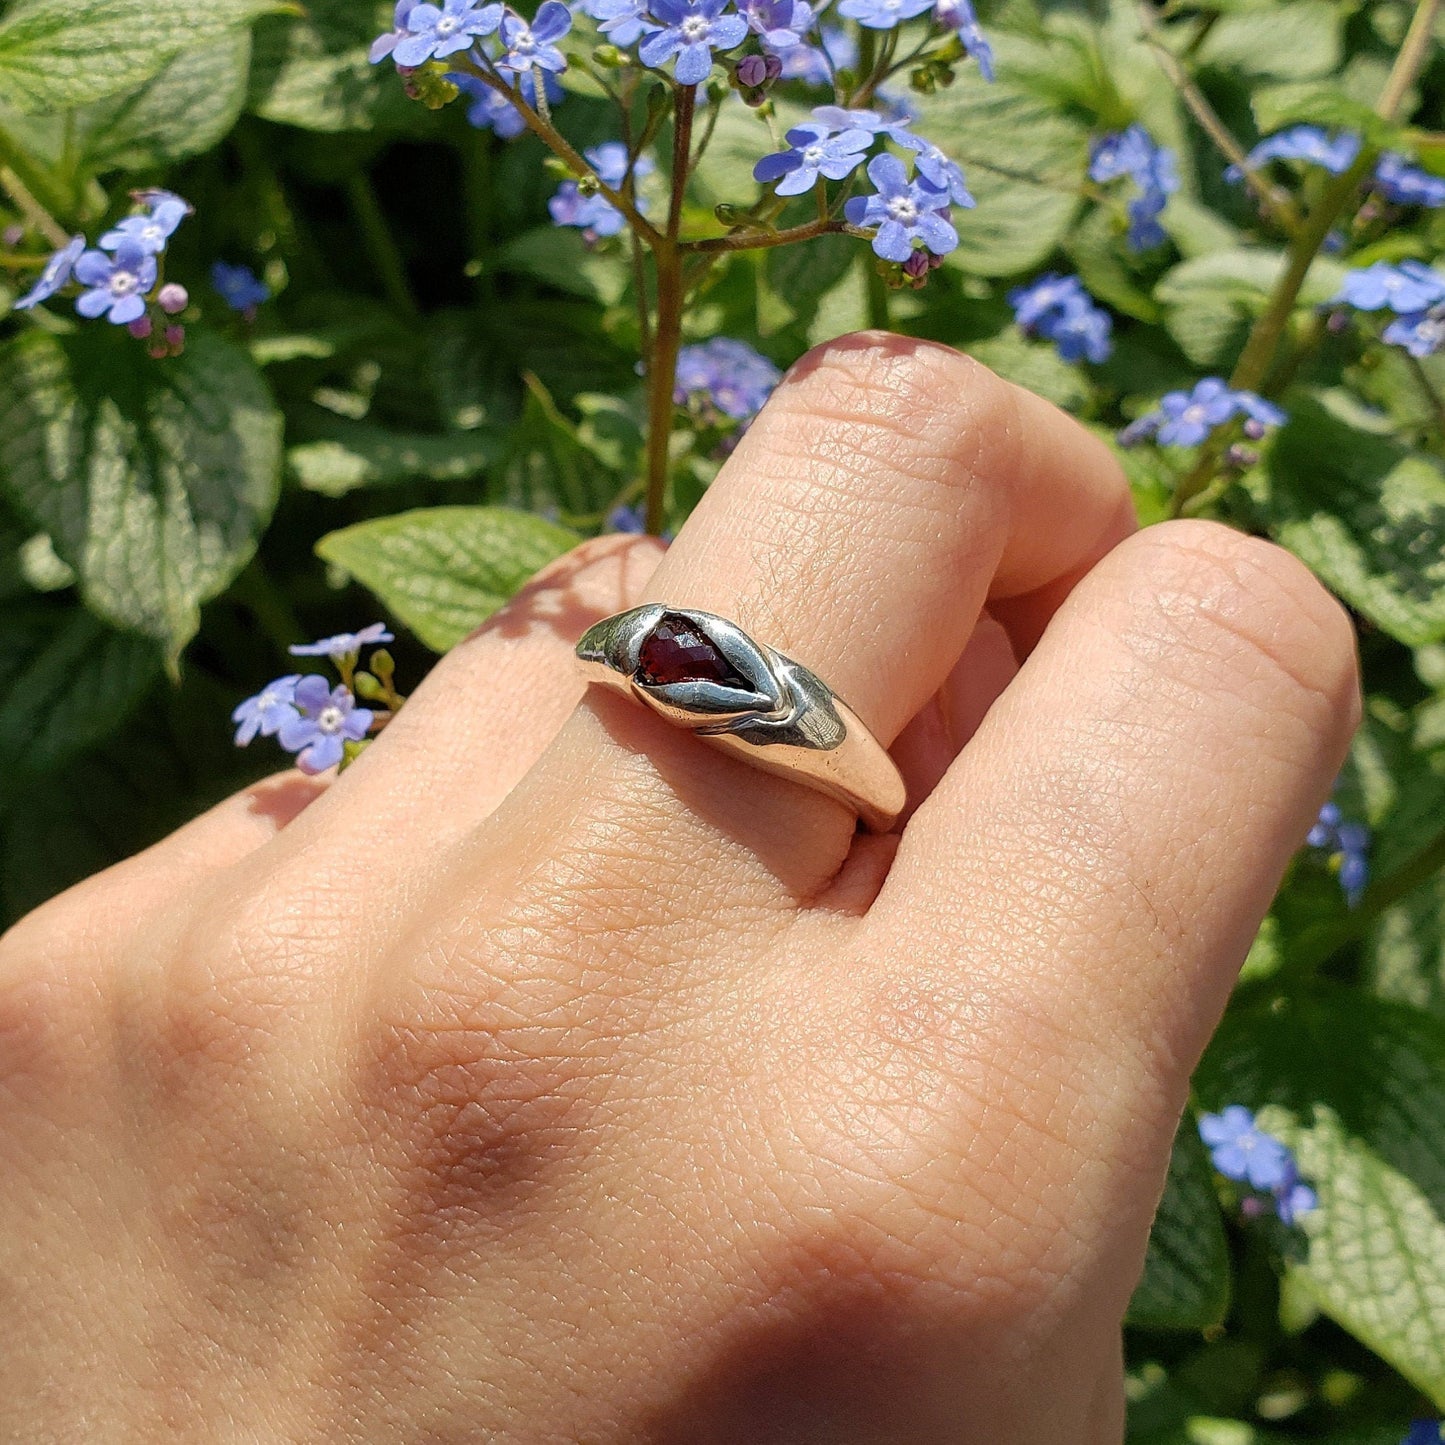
pixel 595 214
pixel 623 22
pixel 1240 1150
pixel 1186 418
pixel 960 17
pixel 117 284
pixel 935 167
pixel 1406 185
pixel 691 32
pixel 1407 287
pixel 883 14
pixel 58 270
pixel 1309 143
pixel 1347 845
pixel 344 644
pixel 239 286
pixel 1060 310
pixel 1421 333
pixel 535 45
pixel 433 33
pixel 150 231
pixel 1134 153
pixel 815 152
pixel 384 45
pixel 904 211
pixel 325 720
pixel 265 712
pixel 726 373
pixel 780 24
pixel 816 64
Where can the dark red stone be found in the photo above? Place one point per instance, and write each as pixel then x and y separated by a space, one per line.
pixel 675 651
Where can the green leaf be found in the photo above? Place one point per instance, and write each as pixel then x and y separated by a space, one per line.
pixel 444 570
pixel 1034 364
pixel 1356 1086
pixel 341 456
pixel 560 256
pixel 70 681
pixel 1366 514
pixel 188 108
pixel 1186 1282
pixel 1319 102
pixel 1028 192
pixel 154 480
pixel 54 56
pixel 1288 42
pixel 1405 952
pixel 312 71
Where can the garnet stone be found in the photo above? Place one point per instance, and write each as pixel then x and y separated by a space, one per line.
pixel 676 651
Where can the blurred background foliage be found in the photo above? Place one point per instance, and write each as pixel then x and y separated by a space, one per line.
pixel 434 342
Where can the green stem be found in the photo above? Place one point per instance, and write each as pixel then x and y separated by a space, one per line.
pixel 764 240
pixel 684 100
pixel 1410 61
pixel 380 244
pixel 31 209
pixel 34 191
pixel 878 317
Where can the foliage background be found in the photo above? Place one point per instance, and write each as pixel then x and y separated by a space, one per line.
pixel 166 529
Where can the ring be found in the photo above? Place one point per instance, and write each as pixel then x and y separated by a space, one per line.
pixel 704 673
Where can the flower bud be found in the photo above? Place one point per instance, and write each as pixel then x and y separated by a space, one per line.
pixel 1240 458
pixel 173 298
pixel 176 339
pixel 140 328
pixel 383 664
pixel 921 79
pixel 157 351
pixel 774 67
pixel 365 685
pixel 12 236
pixel 609 57
pixel 1254 430
pixel 752 71
pixel 917 266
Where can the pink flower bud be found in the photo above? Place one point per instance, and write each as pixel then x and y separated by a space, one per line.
pixel 917 265
pixel 173 298
pixel 140 328
pixel 176 339
pixel 752 71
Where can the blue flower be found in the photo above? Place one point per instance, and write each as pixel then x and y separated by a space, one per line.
pixel 936 168
pixel 325 720
pixel 1308 143
pixel 1060 310
pixel 535 44
pixel 1292 1198
pixel 1424 1432
pixel 344 644
pixel 837 119
pixel 1133 153
pixel 623 518
pixel 1243 1152
pixel 811 63
pixel 433 34
pixel 265 712
pixel 904 211
pixel 383 45
pixel 692 31
pixel 1421 333
pixel 727 374
pixel 1411 286
pixel 1186 418
pixel 1406 185
pixel 623 22
pixel 959 16
pixel 491 110
pixel 882 14
pixel 814 153
pixel 118 284
pixel 781 24
pixel 1347 846
pixel 150 231
pixel 239 287
pixel 595 214
pixel 58 270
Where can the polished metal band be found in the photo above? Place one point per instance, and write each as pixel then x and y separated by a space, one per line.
pixel 704 673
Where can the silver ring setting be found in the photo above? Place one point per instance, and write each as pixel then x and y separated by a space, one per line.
pixel 703 673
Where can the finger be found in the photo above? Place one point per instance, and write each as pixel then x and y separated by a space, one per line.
pixel 858 528
pixel 490 707
pixel 1138 789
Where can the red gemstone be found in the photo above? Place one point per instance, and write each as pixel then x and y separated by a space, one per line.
pixel 675 651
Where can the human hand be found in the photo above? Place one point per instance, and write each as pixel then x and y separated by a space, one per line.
pixel 552 1077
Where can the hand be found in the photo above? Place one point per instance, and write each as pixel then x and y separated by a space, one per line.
pixel 552 1077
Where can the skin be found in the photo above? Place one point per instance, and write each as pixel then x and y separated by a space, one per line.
pixel 550 1077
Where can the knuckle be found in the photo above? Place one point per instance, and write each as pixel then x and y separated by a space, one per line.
pixel 1221 593
pixel 922 410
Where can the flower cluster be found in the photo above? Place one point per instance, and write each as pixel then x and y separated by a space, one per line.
pixel 1414 292
pixel 1134 154
pixel 1060 310
pixel 1395 178
pixel 322 724
pixel 593 213
pixel 1347 845
pixel 726 377
pixel 121 278
pixel 1240 1150
pixel 1187 418
pixel 1424 1432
